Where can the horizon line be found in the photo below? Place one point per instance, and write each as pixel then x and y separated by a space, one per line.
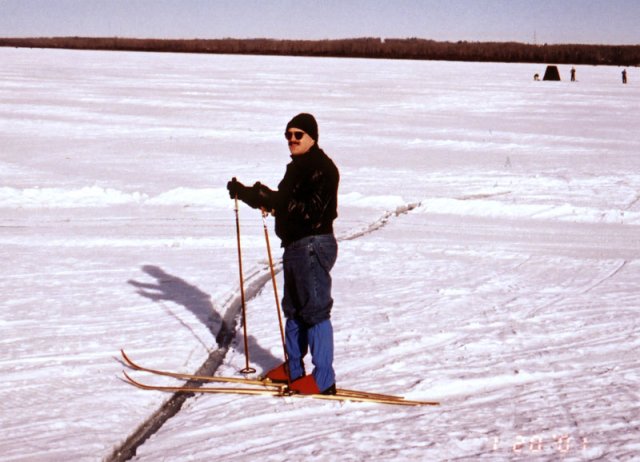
pixel 382 39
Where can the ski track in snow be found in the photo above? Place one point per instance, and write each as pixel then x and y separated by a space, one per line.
pixel 489 256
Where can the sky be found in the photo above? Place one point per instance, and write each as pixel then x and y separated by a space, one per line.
pixel 529 21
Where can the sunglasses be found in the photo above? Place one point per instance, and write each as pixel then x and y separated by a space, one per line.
pixel 298 135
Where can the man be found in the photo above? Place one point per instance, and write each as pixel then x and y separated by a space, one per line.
pixel 304 206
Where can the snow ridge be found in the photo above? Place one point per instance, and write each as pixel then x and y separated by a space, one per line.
pixel 98 196
pixel 380 223
pixel 477 205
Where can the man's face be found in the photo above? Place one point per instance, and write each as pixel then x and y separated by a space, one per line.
pixel 301 145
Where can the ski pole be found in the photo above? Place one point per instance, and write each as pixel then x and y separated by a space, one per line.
pixel 247 369
pixel 275 292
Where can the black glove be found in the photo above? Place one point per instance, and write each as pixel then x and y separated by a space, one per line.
pixel 256 196
pixel 235 188
pixel 252 196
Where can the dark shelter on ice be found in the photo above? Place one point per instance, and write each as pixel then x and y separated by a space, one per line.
pixel 551 73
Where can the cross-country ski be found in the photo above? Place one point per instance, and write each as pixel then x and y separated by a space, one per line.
pixel 269 387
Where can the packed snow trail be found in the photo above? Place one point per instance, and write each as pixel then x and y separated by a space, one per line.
pixel 254 282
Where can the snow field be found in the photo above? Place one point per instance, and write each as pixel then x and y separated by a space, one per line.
pixel 488 256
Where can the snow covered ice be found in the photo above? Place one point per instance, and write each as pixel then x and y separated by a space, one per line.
pixel 489 255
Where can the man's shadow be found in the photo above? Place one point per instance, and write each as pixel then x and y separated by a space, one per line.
pixel 173 289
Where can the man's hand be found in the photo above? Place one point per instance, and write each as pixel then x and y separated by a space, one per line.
pixel 256 196
pixel 235 188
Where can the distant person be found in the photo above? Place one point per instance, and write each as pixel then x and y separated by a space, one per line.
pixel 536 77
pixel 573 74
pixel 304 205
pixel 624 76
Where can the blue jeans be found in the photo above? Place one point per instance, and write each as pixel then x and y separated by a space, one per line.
pixel 307 305
pixel 301 338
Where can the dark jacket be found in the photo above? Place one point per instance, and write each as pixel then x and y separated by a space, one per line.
pixel 306 202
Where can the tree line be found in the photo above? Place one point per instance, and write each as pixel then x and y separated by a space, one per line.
pixel 410 48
